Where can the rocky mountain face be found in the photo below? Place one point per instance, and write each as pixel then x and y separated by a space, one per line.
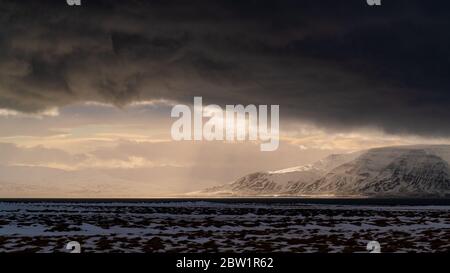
pixel 405 171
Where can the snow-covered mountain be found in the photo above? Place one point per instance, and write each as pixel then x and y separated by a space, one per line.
pixel 403 171
pixel 283 182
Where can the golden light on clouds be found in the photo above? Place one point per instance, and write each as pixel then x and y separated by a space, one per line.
pixel 90 146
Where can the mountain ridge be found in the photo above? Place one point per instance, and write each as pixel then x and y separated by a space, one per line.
pixel 397 171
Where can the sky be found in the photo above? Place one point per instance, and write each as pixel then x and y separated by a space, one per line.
pixel 86 92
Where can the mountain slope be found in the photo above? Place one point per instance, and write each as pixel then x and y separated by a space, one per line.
pixel 405 171
pixel 283 182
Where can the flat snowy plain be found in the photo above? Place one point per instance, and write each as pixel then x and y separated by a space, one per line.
pixel 235 227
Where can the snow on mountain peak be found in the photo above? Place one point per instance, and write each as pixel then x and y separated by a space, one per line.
pixel 421 170
pixel 293 169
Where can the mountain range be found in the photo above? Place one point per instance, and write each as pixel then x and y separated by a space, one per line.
pixel 401 171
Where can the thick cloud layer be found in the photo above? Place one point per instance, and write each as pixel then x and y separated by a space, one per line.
pixel 337 63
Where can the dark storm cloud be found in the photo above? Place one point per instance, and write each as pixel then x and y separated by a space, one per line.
pixel 337 63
